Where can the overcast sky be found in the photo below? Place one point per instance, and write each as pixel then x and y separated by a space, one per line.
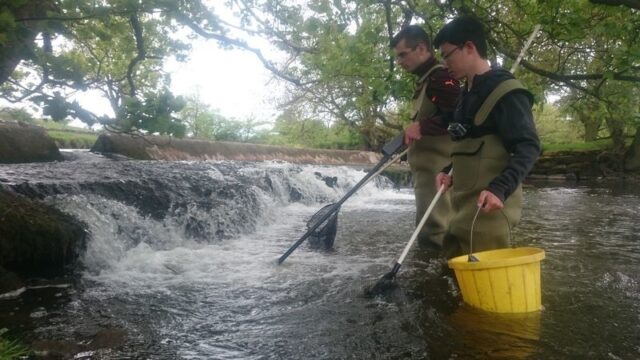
pixel 233 81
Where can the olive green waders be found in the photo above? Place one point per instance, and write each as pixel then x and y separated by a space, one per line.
pixel 427 157
pixel 476 162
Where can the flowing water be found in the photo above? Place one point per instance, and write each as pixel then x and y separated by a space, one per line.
pixel 182 258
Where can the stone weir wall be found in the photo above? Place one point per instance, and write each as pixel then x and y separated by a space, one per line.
pixel 20 143
pixel 165 148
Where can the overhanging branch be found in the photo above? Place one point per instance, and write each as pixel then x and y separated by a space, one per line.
pixel 634 4
pixel 185 20
pixel 567 79
pixel 141 55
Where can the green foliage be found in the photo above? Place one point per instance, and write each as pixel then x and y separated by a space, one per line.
pixel 338 63
pixel 7 26
pixel 56 107
pixel 152 113
pixel 227 130
pixel 16 114
pixel 338 50
pixel 340 53
pixel 10 350
pixel 289 130
pixel 205 123
pixel 602 144
pixel 115 47
pixel 554 127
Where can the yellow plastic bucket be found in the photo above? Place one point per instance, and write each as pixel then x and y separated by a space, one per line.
pixel 503 281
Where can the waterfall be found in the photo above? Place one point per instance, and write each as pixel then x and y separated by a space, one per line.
pixel 164 205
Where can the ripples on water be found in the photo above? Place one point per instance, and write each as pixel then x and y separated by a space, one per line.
pixel 180 298
pixel 590 277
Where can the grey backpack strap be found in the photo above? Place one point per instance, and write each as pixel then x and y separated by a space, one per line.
pixel 423 91
pixel 493 98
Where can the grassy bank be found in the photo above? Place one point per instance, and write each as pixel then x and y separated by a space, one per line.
pixel 69 137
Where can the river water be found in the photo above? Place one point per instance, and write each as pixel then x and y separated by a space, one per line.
pixel 185 266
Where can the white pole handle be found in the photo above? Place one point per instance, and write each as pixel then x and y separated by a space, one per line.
pixel 414 236
pixel 524 49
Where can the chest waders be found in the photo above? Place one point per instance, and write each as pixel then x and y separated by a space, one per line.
pixel 427 157
pixel 476 162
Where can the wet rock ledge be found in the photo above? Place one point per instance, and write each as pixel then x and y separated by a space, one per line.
pixel 36 240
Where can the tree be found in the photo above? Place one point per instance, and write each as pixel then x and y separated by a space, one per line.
pixel 66 46
pixel 343 70
pixel 16 114
pixel 340 60
pixel 292 128
pixel 554 127
pixel 50 49
pixel 199 118
pixel 338 66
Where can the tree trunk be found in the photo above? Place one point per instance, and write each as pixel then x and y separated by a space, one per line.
pixel 591 125
pixel 616 129
pixel 632 156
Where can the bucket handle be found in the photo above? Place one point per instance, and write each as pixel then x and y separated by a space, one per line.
pixel 471 257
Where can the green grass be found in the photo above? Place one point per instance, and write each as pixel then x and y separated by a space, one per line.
pixel 598 145
pixel 10 350
pixel 73 140
pixel 69 137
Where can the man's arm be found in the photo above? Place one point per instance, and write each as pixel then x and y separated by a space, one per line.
pixel 516 128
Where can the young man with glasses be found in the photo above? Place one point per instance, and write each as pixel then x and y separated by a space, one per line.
pixel 429 144
pixel 495 143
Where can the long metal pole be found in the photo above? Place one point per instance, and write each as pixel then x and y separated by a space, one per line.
pixel 381 166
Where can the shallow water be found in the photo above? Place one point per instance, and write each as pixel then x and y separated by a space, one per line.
pixel 227 299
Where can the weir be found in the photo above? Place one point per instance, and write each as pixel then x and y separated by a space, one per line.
pixel 164 203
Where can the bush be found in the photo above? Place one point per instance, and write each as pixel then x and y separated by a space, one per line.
pixel 554 128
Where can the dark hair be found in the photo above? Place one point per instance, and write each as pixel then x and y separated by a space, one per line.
pixel 413 35
pixel 462 29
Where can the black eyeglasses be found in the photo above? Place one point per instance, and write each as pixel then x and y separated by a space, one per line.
pixel 446 56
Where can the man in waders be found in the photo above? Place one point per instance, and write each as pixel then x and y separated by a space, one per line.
pixel 434 100
pixel 495 143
